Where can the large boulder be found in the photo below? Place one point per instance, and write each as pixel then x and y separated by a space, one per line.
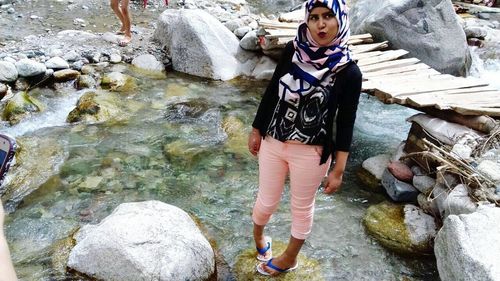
pixel 20 106
pixel 8 72
pixel 428 29
pixel 467 246
pixel 198 44
pixel 96 106
pixel 143 241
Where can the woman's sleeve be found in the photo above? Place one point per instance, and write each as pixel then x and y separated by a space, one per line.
pixel 347 107
pixel 270 97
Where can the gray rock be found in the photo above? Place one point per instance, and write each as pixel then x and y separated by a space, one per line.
pixel 240 32
pixel 115 58
pixel 198 43
pixel 399 191
pixel 376 165
pixel 421 226
pixel 29 68
pixel 439 194
pixel 56 63
pixel 148 62
pixel 428 205
pixel 475 31
pixel 21 84
pixel 72 56
pixel 484 16
pixel 250 42
pixel 8 72
pixel 421 27
pixel 141 240
pixel 232 25
pixel 459 202
pixel 467 246
pixel 490 169
pixel 424 184
pixel 11 10
pixel 264 69
pixel 86 81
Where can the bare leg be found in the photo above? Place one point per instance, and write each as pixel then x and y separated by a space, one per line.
pixel 288 258
pixel 258 236
pixel 115 6
pixel 127 28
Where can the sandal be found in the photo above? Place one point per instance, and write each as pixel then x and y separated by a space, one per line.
pixel 278 270
pixel 261 256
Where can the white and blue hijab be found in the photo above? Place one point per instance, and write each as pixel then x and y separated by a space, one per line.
pixel 306 90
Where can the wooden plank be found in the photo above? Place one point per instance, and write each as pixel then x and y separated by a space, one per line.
pixel 386 56
pixel 361 36
pixel 389 64
pixel 478 111
pixel 430 99
pixel 366 55
pixel 356 49
pixel 397 70
pixel 417 87
pixel 428 71
pixel 276 24
pixel 403 79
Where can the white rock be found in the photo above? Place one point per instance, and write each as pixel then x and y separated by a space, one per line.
pixel 490 169
pixel 264 69
pixel 421 226
pixel 56 63
pixel 376 164
pixel 250 42
pixel 423 183
pixel 8 71
pixel 459 202
pixel 467 246
pixel 242 31
pixel 115 58
pixel 72 56
pixel 141 240
pixel 462 151
pixel 148 62
pixel 28 68
pixel 232 25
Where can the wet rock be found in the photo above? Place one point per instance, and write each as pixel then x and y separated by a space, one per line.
pixel 400 171
pixel 87 69
pixel 459 202
pixel 244 268
pixel 405 229
pixel 19 106
pixel 467 246
pixel 115 58
pixel 56 63
pixel 28 68
pixel 8 72
pixel 95 107
pixel 77 65
pixel 399 191
pixel 21 84
pixel 428 205
pixel 143 239
pixel 72 56
pixel 117 82
pixel 86 81
pixel 237 136
pixel 181 151
pixel 66 75
pixel 372 170
pixel 148 62
pixel 250 42
pixel 89 184
pixel 59 256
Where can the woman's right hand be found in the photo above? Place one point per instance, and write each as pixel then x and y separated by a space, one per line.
pixel 254 139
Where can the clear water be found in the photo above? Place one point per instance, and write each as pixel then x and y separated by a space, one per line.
pixel 216 183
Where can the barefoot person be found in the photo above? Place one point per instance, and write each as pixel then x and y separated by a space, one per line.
pixel 7 272
pixel 120 7
pixel 306 117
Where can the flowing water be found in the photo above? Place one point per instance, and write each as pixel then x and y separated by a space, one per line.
pixel 172 147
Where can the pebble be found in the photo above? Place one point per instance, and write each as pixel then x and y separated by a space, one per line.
pixel 497 190
pixel 11 10
pixel 484 16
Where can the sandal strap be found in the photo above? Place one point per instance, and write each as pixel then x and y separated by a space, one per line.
pixel 272 266
pixel 262 251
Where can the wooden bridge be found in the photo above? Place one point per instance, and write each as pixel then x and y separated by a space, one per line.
pixel 405 81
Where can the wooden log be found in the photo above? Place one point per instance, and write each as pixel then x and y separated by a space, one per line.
pixel 369 47
pixel 265 23
pixel 429 99
pixel 398 70
pixel 366 55
pixel 403 79
pixel 490 111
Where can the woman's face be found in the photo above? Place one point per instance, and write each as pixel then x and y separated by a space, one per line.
pixel 323 25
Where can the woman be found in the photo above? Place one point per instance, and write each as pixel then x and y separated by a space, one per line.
pixel 306 116
pixel 7 272
pixel 121 10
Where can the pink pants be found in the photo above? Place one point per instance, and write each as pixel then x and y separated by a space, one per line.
pixel 276 159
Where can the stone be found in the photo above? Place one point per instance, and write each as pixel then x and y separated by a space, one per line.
pixel 462 151
pixel 66 75
pixel 72 56
pixel 475 32
pixel 232 25
pixel 439 195
pixel 484 16
pixel 250 42
pixel 371 172
pixel 86 81
pixel 8 72
pixel 143 239
pixel 198 43
pixel 428 205
pixel 400 171
pixel 115 58
pixel 28 68
pixel 490 169
pixel 95 106
pixel 240 32
pixel 264 69
pixel 420 27
pixel 424 184
pixel 467 246
pixel 56 63
pixel 475 42
pixel 459 202
pixel 117 82
pixel 3 90
pixel 405 229
pixel 19 106
pixel 148 62
pixel 399 191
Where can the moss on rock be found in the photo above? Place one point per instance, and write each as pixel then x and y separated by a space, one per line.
pixel 19 106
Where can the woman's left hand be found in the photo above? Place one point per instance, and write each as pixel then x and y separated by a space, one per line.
pixel 333 182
